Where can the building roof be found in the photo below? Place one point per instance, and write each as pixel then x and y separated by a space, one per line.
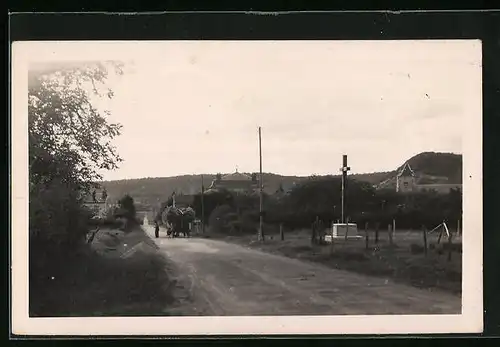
pixel 406 170
pixel 236 176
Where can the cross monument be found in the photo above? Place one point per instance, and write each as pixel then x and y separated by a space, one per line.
pixel 344 170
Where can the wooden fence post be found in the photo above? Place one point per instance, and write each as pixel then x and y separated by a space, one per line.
pixel 346 228
pixel 394 229
pixel 424 231
pixel 367 241
pixel 440 235
pixel 313 233
pixel 450 236
pixel 331 238
pixel 389 231
pixel 282 234
pixel 377 225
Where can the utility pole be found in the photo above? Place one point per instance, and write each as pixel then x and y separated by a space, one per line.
pixel 344 170
pixel 261 210
pixel 202 206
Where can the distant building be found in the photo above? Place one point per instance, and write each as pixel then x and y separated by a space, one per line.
pixel 407 181
pixel 97 201
pixel 236 182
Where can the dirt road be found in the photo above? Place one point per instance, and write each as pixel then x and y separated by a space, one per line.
pixel 227 279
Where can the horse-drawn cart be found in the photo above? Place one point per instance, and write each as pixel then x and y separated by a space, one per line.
pixel 178 221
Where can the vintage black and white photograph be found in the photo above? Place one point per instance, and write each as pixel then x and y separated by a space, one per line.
pixel 220 187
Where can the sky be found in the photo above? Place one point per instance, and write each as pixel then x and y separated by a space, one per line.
pixel 195 107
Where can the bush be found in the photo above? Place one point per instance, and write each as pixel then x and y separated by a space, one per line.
pixel 220 217
pixel 416 249
pixel 56 216
pixel 455 247
pixel 234 226
pixel 127 207
pixel 58 227
pixel 109 220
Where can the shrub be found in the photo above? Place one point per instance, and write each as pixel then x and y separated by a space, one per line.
pixel 234 226
pixel 127 207
pixel 455 247
pixel 416 249
pixel 220 218
pixel 56 216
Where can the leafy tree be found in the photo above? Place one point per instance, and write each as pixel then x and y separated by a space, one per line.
pixel 104 194
pixel 321 197
pixel 69 141
pixel 69 138
pixel 127 205
pixel 212 200
pixel 220 218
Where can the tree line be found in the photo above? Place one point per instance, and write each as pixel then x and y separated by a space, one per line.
pixel 320 197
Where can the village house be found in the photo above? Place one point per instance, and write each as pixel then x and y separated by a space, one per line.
pixel 235 182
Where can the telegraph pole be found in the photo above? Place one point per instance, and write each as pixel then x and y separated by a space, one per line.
pixel 202 206
pixel 261 210
pixel 344 170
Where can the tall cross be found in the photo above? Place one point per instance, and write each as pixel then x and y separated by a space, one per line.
pixel 344 170
pixel 202 205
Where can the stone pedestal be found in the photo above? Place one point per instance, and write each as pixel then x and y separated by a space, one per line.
pixel 339 230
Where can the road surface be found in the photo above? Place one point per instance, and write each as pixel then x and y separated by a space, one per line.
pixel 218 278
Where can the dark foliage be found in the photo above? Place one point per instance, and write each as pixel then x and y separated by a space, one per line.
pixel 211 201
pixel 320 197
pixel 69 142
pixel 447 165
pixel 127 207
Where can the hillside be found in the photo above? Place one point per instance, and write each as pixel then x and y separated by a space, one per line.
pixel 437 167
pixel 430 167
pixel 152 190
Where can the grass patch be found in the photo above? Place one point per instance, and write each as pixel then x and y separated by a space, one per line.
pixel 403 262
pixel 99 282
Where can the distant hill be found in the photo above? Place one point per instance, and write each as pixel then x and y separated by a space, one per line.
pixel 151 190
pixel 437 167
pixel 430 167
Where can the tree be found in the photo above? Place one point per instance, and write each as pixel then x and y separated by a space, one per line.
pixel 321 196
pixel 212 200
pixel 69 137
pixel 104 194
pixel 69 141
pixel 220 218
pixel 127 205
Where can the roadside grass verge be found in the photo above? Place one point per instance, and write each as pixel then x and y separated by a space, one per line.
pixel 397 262
pixel 122 274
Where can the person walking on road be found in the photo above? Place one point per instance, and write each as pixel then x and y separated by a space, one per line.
pixel 157 229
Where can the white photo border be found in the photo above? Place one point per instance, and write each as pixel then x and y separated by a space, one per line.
pixel 470 321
